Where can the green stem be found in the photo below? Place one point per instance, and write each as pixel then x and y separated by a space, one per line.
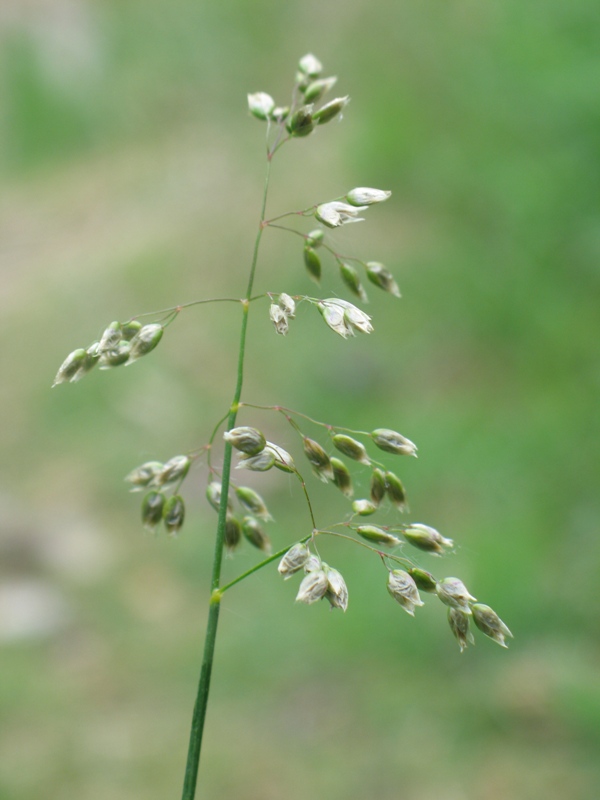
pixel 199 714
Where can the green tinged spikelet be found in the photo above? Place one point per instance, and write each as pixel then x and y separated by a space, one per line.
pixel 350 447
pixel 174 514
pixel 152 510
pixel 312 263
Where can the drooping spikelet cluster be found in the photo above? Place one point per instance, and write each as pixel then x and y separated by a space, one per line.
pixel 121 343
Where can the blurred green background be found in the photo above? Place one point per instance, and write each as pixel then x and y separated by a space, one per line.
pixel 131 176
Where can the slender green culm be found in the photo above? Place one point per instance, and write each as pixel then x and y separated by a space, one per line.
pixel 341 459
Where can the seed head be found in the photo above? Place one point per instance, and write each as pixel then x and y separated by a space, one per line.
pixel 92 356
pixel 114 358
pixel 70 367
pixel 382 277
pixel 312 563
pixel 130 329
pixel 426 538
pixel 459 625
pixel 330 110
pixel 377 535
pixel 287 305
pixel 279 319
pixel 334 316
pixel 318 458
pixel 490 623
pixel 355 318
pixel 343 317
pixel 403 589
pixel 258 463
pixel 312 263
pixel 152 510
pixel 174 470
pixel 248 440
pixel 351 447
pixel 90 359
pixel 337 591
pixel 314 587
pixel 301 122
pixel 255 534
pixel 424 580
pixel 282 459
pixel 315 238
pixel 337 213
pixel 144 475
pixel 261 105
pixel 317 89
pixel 253 502
pixel 395 491
pixel 233 533
pixel 213 495
pixel 377 486
pixel 455 594
pixel 310 66
pixel 350 277
pixel 364 508
pixel 393 442
pixel 145 341
pixel 341 476
pixel 111 337
pixel 366 197
pixel 280 113
pixel 174 514
pixel 293 561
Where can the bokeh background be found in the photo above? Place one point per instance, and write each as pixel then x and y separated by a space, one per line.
pixel 131 176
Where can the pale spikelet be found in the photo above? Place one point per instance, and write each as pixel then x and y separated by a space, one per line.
pixel 459 625
pixel 351 447
pixel 248 440
pixel 364 508
pixel 336 213
pixel 382 277
pixel 314 587
pixel 377 535
pixel 145 341
pixel 293 561
pixel 426 538
pixel 253 502
pixel 261 105
pixel 363 196
pixel 330 110
pixel 279 319
pixel 341 477
pixel 152 510
pixel 455 594
pixel 144 475
pixel 70 367
pixel 318 458
pixel 310 66
pixel 174 514
pixel 256 535
pixel 393 442
pixel 175 469
pixel 404 590
pixel 490 623
pixel 337 591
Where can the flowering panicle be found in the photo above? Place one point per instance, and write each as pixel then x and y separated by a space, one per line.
pixel 243 514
